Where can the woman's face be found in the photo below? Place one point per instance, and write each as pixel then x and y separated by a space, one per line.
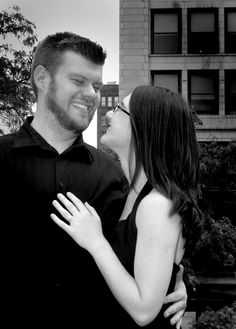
pixel 118 134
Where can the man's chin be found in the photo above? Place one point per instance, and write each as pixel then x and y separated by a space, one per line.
pixel 80 128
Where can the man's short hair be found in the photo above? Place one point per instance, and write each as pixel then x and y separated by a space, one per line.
pixel 50 50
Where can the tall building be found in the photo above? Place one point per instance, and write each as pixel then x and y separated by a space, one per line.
pixel 109 98
pixel 188 46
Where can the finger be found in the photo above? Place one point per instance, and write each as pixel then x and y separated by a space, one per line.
pixel 176 308
pixel 174 318
pixel 178 325
pixel 91 209
pixel 67 203
pixel 180 273
pixel 65 214
pixel 60 223
pixel 76 201
pixel 177 320
pixel 173 297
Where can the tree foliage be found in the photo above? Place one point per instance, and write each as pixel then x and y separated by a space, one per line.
pixel 17 40
pixel 216 249
pixel 218 178
pixel 217 245
pixel 223 318
pixel 217 161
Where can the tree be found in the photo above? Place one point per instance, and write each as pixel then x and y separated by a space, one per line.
pixel 217 177
pixel 216 249
pixel 18 37
pixel 223 318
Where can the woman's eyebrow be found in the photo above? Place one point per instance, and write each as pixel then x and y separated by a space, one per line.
pixel 122 104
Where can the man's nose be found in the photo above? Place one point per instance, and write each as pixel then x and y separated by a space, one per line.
pixel 89 92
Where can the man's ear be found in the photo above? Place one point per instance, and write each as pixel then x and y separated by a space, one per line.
pixel 41 78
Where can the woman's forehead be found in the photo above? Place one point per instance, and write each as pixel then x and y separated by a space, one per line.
pixel 126 100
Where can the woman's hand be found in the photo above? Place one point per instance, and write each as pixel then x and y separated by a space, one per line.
pixel 178 298
pixel 84 224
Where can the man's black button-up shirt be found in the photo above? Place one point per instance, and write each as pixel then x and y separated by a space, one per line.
pixel 41 260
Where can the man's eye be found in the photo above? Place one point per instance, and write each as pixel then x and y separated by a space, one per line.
pixel 78 82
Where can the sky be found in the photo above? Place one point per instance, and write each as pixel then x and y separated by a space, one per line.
pixel 97 20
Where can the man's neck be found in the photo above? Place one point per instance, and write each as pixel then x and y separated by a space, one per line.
pixel 54 134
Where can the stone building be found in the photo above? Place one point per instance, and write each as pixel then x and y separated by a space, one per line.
pixel 188 46
pixel 109 98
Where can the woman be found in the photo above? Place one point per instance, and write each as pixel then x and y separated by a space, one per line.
pixel 153 134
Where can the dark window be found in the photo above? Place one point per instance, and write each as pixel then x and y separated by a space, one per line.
pixel 230 30
pixel 230 92
pixel 167 79
pixel 166 32
pixel 203 36
pixel 203 91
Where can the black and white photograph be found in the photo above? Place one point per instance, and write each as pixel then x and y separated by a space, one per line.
pixel 118 164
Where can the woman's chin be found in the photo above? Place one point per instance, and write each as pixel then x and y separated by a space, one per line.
pixel 104 140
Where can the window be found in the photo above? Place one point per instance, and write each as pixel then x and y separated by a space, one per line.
pixel 167 79
pixel 203 91
pixel 203 36
pixel 109 99
pixel 103 123
pixel 230 92
pixel 230 30
pixel 166 34
pixel 116 99
pixel 103 101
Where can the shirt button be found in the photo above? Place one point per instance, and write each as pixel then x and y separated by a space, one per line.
pixel 61 187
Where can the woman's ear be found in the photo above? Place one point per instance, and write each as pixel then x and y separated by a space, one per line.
pixel 41 78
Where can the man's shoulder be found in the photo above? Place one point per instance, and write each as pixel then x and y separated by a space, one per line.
pixel 99 155
pixel 6 144
pixel 106 165
pixel 6 141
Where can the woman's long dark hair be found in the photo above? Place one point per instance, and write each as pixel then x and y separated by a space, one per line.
pixel 164 143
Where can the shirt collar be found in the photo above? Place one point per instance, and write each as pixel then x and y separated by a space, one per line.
pixel 28 137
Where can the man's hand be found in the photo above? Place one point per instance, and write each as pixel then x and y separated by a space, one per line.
pixel 178 298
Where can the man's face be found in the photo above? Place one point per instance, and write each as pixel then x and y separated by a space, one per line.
pixel 74 91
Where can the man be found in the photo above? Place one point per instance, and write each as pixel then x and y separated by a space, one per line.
pixel 44 270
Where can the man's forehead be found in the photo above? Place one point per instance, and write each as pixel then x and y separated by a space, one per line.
pixel 77 65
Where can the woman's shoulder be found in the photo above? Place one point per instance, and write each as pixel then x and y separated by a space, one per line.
pixel 155 200
pixel 155 207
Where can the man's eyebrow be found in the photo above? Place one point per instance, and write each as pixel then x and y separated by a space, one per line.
pixel 77 75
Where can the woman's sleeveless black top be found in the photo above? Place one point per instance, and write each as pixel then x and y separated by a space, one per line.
pixel 123 243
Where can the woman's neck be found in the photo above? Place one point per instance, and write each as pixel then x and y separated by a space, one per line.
pixel 141 178
pixel 133 194
pixel 140 181
pixel 125 167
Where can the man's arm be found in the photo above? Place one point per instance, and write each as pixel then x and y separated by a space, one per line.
pixel 178 298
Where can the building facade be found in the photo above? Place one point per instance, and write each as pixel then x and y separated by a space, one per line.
pixel 109 98
pixel 188 46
